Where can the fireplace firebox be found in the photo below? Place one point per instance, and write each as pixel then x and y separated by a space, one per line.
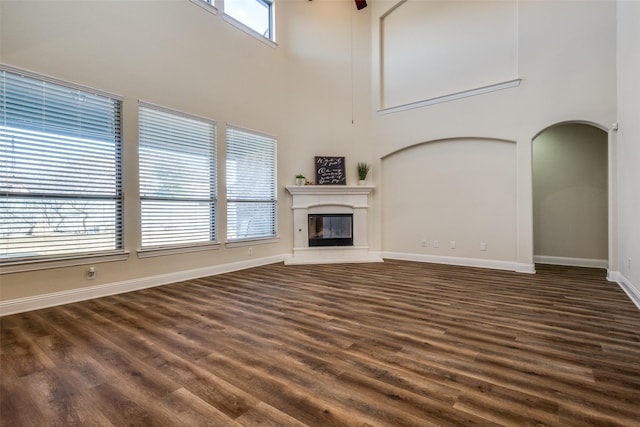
pixel 330 229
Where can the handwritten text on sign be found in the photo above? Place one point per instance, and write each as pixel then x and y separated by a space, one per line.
pixel 330 171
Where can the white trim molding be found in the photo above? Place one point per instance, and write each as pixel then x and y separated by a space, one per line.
pixel 574 262
pixel 20 266
pixel 452 96
pixel 464 262
pixel 20 305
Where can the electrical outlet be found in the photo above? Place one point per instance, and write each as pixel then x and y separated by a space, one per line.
pixel 91 273
pixel 436 244
pixel 452 244
pixel 250 252
pixel 483 246
pixel 629 263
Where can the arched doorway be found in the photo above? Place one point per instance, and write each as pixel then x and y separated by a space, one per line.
pixel 570 195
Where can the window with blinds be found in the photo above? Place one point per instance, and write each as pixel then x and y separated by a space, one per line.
pixel 60 169
pixel 177 154
pixel 251 185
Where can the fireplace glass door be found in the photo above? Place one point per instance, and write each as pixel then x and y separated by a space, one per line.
pixel 331 230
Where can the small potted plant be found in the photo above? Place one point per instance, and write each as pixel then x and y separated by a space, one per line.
pixel 300 179
pixel 363 171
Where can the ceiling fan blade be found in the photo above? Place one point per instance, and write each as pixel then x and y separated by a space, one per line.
pixel 361 4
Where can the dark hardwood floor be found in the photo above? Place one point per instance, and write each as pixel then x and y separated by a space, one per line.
pixel 390 344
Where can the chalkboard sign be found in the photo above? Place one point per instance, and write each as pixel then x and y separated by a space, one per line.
pixel 330 171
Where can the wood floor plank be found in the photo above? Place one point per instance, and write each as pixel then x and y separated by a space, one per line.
pixel 267 416
pixel 165 357
pixel 387 344
pixel 18 404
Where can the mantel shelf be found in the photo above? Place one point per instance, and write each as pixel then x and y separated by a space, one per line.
pixel 329 190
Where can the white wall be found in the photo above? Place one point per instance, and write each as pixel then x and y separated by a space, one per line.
pixel 570 196
pixel 431 190
pixel 326 95
pixel 629 143
pixel 176 54
pixel 318 93
pixel 567 64
pixel 168 53
pixel 437 47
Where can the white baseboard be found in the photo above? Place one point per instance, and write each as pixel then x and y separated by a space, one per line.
pixel 466 262
pixel 522 267
pixel 574 262
pixel 633 292
pixel 20 305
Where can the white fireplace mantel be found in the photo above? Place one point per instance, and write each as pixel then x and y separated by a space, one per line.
pixel 313 199
pixel 330 190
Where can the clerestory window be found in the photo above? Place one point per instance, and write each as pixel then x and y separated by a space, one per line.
pixel 255 14
pixel 256 17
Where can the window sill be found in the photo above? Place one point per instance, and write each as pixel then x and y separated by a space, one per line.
pixel 239 25
pixel 249 242
pixel 174 250
pixel 24 265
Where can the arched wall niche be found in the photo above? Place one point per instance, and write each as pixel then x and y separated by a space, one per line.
pixel 451 200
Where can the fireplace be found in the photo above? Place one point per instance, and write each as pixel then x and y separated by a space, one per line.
pixel 330 224
pixel 330 230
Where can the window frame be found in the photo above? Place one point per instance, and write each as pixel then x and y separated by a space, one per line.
pixel 269 39
pixel 63 259
pixel 215 6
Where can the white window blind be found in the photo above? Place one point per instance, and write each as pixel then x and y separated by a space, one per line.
pixel 251 185
pixel 60 170
pixel 177 178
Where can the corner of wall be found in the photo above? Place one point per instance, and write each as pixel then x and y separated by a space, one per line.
pixel 632 291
